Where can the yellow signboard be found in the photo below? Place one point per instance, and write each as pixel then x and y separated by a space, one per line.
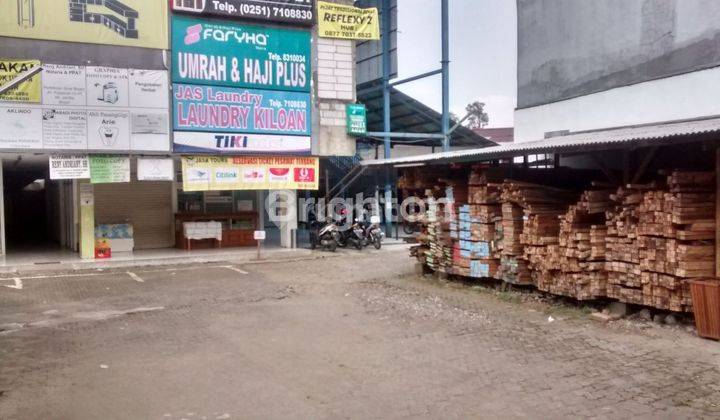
pixel 28 91
pixel 211 173
pixel 133 23
pixel 347 22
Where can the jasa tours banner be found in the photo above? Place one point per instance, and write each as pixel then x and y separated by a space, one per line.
pixel 27 91
pixel 347 22
pixel 212 173
pixel 134 23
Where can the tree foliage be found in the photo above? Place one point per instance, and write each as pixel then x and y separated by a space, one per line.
pixel 478 116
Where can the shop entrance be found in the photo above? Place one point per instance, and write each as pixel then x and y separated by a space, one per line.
pixel 240 214
pixel 38 212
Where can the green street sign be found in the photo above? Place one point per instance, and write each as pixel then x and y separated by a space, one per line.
pixel 356 119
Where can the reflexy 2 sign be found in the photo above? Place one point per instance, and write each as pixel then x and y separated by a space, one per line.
pixel 229 54
pixel 230 120
pixel 297 12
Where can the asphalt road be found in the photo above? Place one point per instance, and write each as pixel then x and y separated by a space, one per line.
pixel 353 336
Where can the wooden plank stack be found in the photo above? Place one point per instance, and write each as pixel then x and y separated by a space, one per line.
pixel 530 224
pixel 622 255
pixel 676 232
pixel 638 244
pixel 575 267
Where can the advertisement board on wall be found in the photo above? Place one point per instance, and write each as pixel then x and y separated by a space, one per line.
pixel 356 119
pixel 134 23
pixel 230 54
pixel 347 22
pixel 204 173
pixel 109 169
pixel 69 167
pixel 27 91
pixel 91 108
pixel 230 120
pixel 155 169
pixel 296 12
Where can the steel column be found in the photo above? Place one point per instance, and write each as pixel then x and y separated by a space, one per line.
pixel 446 74
pixel 387 70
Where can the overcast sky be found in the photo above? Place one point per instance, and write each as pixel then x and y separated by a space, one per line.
pixel 483 51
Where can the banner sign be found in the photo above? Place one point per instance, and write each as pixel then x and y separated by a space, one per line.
pixel 356 119
pixel 246 144
pixel 240 120
pixel 155 169
pixel 91 108
pixel 27 91
pixel 204 173
pixel 296 12
pixel 69 167
pixel 231 54
pixel 347 22
pixel 132 23
pixel 109 169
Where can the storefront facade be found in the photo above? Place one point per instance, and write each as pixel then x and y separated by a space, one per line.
pixel 77 133
pixel 242 122
pixel 164 132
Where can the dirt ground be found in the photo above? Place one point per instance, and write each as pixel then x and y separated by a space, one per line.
pixel 357 335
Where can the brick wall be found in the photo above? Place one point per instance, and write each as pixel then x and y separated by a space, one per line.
pixel 335 78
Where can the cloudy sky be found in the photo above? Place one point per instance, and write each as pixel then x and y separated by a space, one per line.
pixel 483 51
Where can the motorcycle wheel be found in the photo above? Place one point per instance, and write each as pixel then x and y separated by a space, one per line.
pixel 342 243
pixel 377 242
pixel 332 246
pixel 358 245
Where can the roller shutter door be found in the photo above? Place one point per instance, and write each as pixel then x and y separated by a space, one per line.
pixel 145 205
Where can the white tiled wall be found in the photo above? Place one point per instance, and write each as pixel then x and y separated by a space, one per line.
pixel 335 69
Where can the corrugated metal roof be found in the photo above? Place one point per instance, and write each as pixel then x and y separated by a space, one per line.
pixel 409 115
pixel 656 134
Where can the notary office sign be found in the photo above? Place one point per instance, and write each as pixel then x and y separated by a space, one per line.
pixel 217 53
pixel 295 12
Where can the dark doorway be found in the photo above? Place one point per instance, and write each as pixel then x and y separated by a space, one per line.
pixel 28 206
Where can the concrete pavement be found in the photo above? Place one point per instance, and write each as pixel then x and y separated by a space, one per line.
pixel 353 336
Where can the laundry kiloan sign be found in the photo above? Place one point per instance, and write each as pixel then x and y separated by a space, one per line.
pixel 229 110
pixel 235 55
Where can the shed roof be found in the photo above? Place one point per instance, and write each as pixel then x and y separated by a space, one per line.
pixel 409 115
pixel 617 138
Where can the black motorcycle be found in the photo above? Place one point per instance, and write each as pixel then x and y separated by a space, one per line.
pixel 354 236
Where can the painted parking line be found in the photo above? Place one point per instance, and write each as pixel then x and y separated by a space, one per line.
pixel 17 283
pixel 235 269
pixel 135 277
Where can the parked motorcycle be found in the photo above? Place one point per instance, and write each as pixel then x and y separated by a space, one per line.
pixel 353 236
pixel 373 232
pixel 325 235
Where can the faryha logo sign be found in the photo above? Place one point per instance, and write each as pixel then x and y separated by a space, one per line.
pixel 238 55
pixel 196 33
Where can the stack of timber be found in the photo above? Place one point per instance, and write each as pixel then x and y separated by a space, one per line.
pixel 473 254
pixel 676 234
pixel 575 267
pixel 622 256
pixel 530 224
pixel 439 241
